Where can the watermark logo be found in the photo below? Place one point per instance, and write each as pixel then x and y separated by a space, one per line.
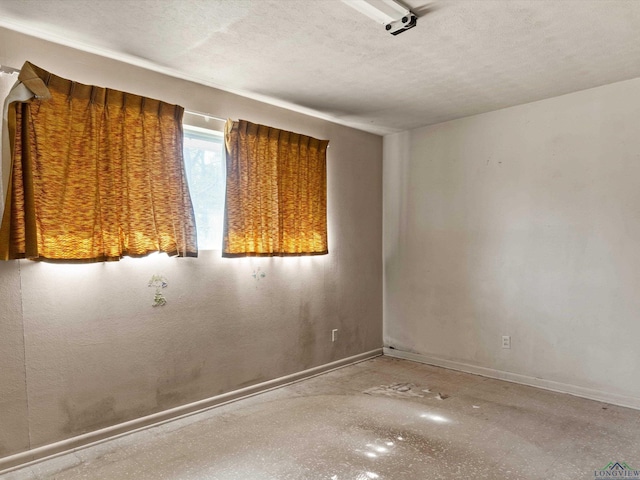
pixel 618 470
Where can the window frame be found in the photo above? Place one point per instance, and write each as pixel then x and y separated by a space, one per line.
pixel 191 131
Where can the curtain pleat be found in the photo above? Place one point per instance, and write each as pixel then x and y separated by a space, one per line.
pixel 276 194
pixel 97 174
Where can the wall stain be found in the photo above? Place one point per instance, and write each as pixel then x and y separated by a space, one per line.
pixel 96 415
pixel 253 381
pixel 179 388
pixel 306 336
pixel 355 338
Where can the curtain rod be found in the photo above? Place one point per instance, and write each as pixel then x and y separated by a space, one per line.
pixel 205 115
pixel 10 70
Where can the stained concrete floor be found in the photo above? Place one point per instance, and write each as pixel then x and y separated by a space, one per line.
pixel 379 419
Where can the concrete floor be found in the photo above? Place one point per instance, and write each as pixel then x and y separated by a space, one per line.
pixel 380 419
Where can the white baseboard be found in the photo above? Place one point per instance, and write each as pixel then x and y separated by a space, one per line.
pixel 591 394
pixel 62 447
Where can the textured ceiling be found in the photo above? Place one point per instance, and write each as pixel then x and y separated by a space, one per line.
pixel 464 57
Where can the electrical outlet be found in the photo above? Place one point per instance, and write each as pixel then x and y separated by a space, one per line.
pixel 334 334
pixel 506 341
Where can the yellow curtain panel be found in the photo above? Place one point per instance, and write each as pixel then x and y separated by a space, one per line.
pixel 276 196
pixel 96 174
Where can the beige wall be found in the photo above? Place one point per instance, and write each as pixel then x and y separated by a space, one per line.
pixel 521 222
pixel 82 347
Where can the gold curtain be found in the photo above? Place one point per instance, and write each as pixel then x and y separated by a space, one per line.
pixel 276 196
pixel 96 174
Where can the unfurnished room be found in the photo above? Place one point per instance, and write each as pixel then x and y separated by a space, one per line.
pixel 320 239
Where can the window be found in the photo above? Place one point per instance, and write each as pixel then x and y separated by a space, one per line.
pixel 205 165
pixel 276 203
pixel 96 174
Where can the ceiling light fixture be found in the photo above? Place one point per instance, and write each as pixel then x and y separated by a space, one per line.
pixel 395 17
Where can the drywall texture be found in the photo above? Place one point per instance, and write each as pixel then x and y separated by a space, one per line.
pixel 521 222
pixel 14 433
pixel 98 353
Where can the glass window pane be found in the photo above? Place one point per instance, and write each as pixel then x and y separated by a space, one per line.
pixel 205 166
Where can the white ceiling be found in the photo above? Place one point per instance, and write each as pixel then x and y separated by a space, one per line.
pixel 323 57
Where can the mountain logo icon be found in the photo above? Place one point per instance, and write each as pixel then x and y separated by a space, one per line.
pixel 617 466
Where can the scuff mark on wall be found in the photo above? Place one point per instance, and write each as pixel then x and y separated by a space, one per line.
pixel 178 387
pixel 253 381
pixel 91 417
pixel 307 335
